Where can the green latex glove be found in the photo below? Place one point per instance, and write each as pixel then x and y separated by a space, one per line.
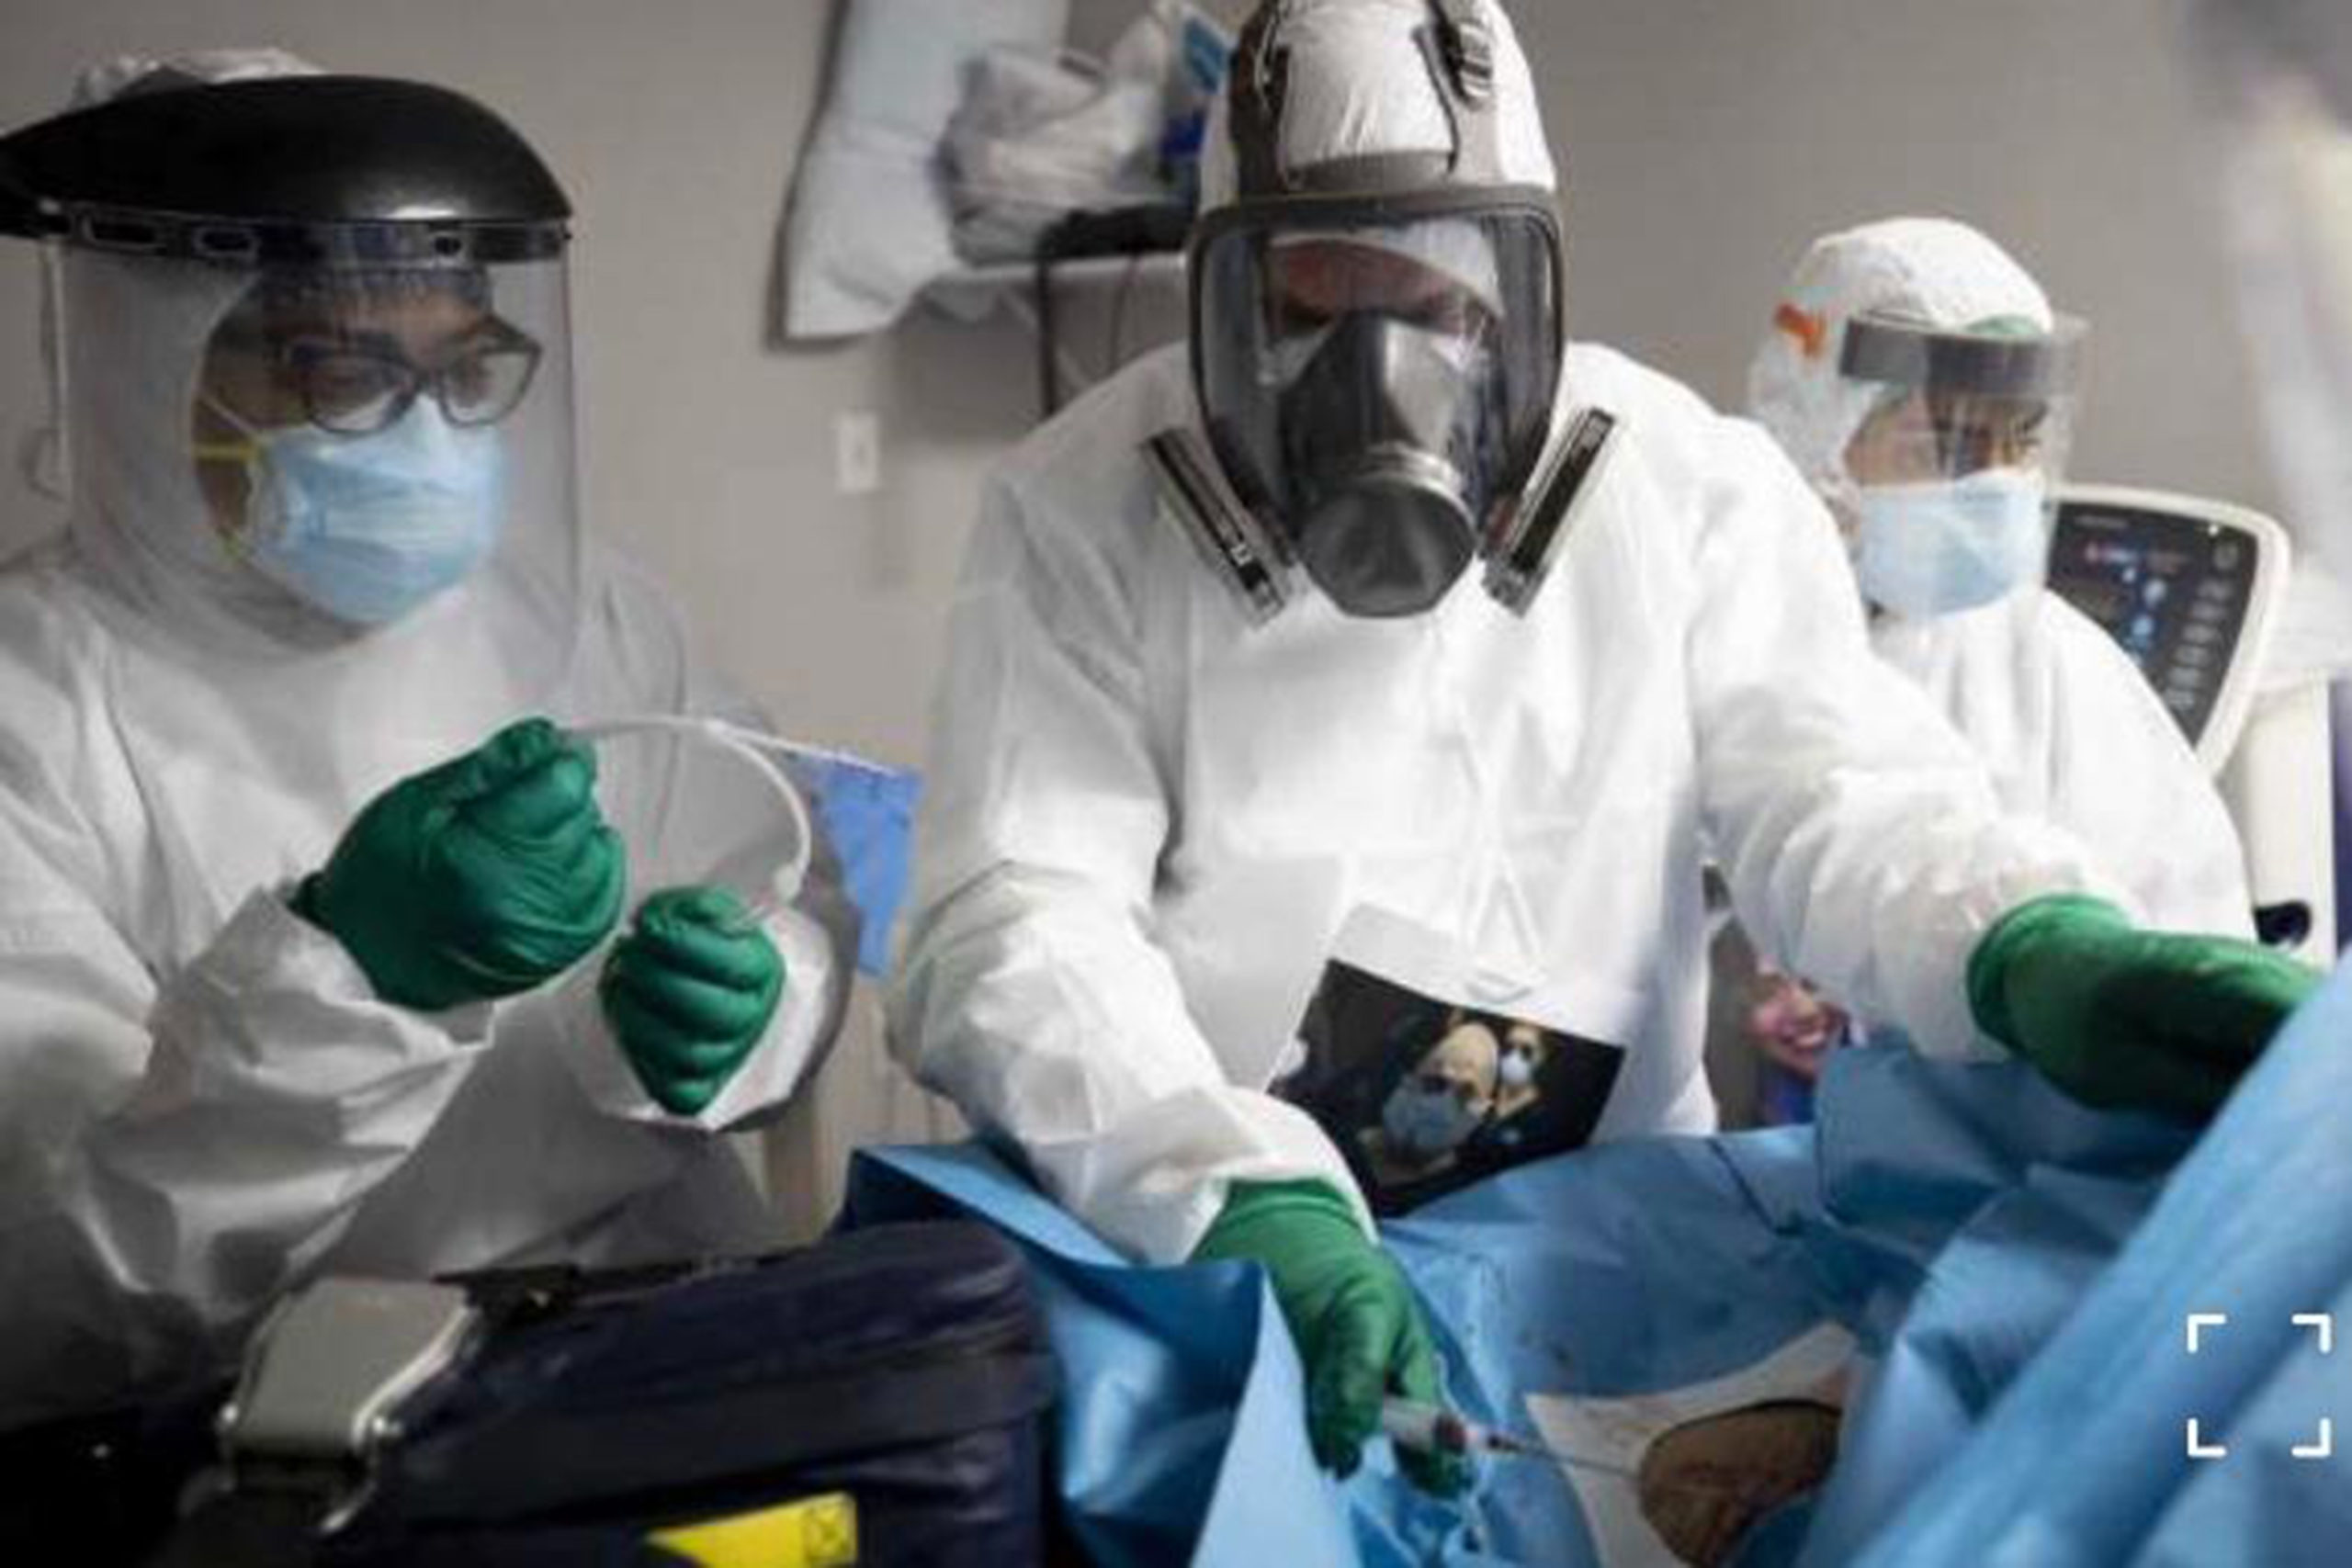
pixel 1358 1329
pixel 2121 1017
pixel 476 879
pixel 689 991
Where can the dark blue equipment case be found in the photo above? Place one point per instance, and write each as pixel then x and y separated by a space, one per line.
pixel 878 1399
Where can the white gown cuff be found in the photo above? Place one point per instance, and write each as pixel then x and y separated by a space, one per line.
pixel 1931 990
pixel 766 1077
pixel 1175 1160
pixel 283 998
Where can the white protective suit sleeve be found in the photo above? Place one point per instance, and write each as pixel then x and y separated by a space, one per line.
pixel 268 1091
pixel 2122 776
pixel 1031 992
pixel 176 1152
pixel 1858 833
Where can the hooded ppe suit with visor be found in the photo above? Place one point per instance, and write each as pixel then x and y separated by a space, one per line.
pixel 1975 423
pixel 1376 348
pixel 1918 378
pixel 1917 375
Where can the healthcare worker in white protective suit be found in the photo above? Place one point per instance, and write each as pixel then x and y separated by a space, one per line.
pixel 1920 381
pixel 305 912
pixel 1223 699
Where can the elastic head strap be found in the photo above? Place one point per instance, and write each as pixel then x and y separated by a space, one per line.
pixel 44 460
pixel 1457 44
pixel 752 746
pixel 1460 49
pixel 1254 102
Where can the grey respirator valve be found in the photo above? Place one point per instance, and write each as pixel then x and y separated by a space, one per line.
pixel 1531 529
pixel 1239 551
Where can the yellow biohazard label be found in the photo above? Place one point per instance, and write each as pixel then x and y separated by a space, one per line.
pixel 815 1532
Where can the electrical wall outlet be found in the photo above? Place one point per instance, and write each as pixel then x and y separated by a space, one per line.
pixel 857 452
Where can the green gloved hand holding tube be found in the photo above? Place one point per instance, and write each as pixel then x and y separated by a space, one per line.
pixel 689 992
pixel 1359 1330
pixel 2119 1017
pixel 476 879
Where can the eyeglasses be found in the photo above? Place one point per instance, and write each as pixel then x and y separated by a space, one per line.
pixel 1957 433
pixel 358 386
pixel 1975 433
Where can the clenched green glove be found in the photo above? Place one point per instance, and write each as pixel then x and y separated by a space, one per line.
pixel 2117 1015
pixel 689 991
pixel 1358 1327
pixel 479 878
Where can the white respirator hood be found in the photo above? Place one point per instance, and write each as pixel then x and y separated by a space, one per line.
pixel 1925 272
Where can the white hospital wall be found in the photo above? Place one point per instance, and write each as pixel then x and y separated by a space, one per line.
pixel 1704 140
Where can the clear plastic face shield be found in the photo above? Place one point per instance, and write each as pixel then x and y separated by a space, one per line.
pixel 1379 389
pixel 1956 469
pixel 313 350
pixel 389 440
pixel 378 439
pixel 313 359
pixel 329 505
pixel 2278 81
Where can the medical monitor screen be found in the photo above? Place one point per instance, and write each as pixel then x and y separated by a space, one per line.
pixel 2173 589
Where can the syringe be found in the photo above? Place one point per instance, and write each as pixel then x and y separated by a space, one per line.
pixel 1431 1428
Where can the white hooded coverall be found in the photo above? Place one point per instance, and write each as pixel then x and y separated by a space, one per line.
pixel 2069 728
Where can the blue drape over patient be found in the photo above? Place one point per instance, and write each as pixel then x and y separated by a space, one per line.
pixel 2014 1270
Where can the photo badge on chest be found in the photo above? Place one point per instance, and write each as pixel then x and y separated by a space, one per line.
pixel 1429 1072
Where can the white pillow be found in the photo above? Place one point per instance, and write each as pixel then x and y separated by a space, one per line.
pixel 870 222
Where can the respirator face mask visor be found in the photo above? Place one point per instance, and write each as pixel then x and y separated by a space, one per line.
pixel 1375 378
pixel 1377 343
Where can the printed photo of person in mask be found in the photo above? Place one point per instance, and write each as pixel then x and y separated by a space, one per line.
pixel 1471 1094
pixel 1425 1096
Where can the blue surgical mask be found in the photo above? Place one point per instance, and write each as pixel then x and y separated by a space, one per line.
pixel 1427 1121
pixel 1950 544
pixel 368 527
